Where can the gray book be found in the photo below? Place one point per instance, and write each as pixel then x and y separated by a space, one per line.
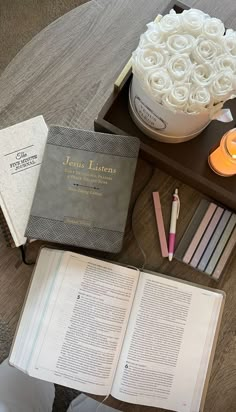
pixel 84 187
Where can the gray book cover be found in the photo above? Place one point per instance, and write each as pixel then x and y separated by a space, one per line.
pixel 84 187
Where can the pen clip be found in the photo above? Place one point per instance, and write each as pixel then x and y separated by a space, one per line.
pixel 178 207
pixel 176 198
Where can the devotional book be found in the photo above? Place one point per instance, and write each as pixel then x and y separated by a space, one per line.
pixel 84 187
pixel 103 328
pixel 21 153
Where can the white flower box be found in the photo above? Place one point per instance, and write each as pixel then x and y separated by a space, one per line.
pixel 161 123
pixel 184 69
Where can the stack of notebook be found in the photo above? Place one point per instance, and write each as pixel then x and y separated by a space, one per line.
pixel 209 239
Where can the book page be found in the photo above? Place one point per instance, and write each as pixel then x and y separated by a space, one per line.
pixel 167 346
pixel 83 325
pixel 36 300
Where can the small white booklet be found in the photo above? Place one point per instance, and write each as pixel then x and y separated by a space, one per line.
pixel 103 328
pixel 21 152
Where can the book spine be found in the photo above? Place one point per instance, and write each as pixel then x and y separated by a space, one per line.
pixel 5 231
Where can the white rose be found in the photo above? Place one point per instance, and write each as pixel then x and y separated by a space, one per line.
pixel 199 99
pixel 152 37
pixel 186 62
pixel 229 42
pixel 180 43
pixel 177 97
pixel 192 21
pixel 230 33
pixel 226 62
pixel 222 86
pixel 150 58
pixel 170 24
pixel 179 67
pixel 202 74
pixel 205 50
pixel 158 82
pixel 213 28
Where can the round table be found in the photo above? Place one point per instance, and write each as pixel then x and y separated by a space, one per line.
pixel 66 73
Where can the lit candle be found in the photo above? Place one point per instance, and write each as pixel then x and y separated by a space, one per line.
pixel 223 159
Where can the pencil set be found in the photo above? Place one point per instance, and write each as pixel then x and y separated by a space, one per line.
pixel 209 239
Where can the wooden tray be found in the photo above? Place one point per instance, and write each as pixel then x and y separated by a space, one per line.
pixel 186 161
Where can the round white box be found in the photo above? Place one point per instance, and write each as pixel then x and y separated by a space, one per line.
pixel 160 123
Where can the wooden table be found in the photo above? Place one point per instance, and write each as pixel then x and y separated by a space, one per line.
pixel 66 73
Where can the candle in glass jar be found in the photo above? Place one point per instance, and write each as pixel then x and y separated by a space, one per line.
pixel 223 159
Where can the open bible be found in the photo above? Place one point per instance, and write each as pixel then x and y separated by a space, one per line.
pixel 105 329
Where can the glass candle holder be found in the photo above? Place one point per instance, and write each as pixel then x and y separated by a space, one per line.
pixel 222 160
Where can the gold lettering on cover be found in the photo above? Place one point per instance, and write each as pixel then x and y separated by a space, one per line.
pixel 69 162
pixel 96 167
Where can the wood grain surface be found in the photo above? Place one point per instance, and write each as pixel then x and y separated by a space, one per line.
pixel 21 20
pixel 66 73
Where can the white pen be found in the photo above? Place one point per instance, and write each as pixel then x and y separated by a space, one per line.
pixel 173 220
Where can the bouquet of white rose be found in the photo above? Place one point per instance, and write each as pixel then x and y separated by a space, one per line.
pixel 187 63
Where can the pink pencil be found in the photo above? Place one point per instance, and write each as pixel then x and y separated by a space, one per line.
pixel 160 224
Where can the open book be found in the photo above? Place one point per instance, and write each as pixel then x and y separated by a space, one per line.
pixel 107 329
